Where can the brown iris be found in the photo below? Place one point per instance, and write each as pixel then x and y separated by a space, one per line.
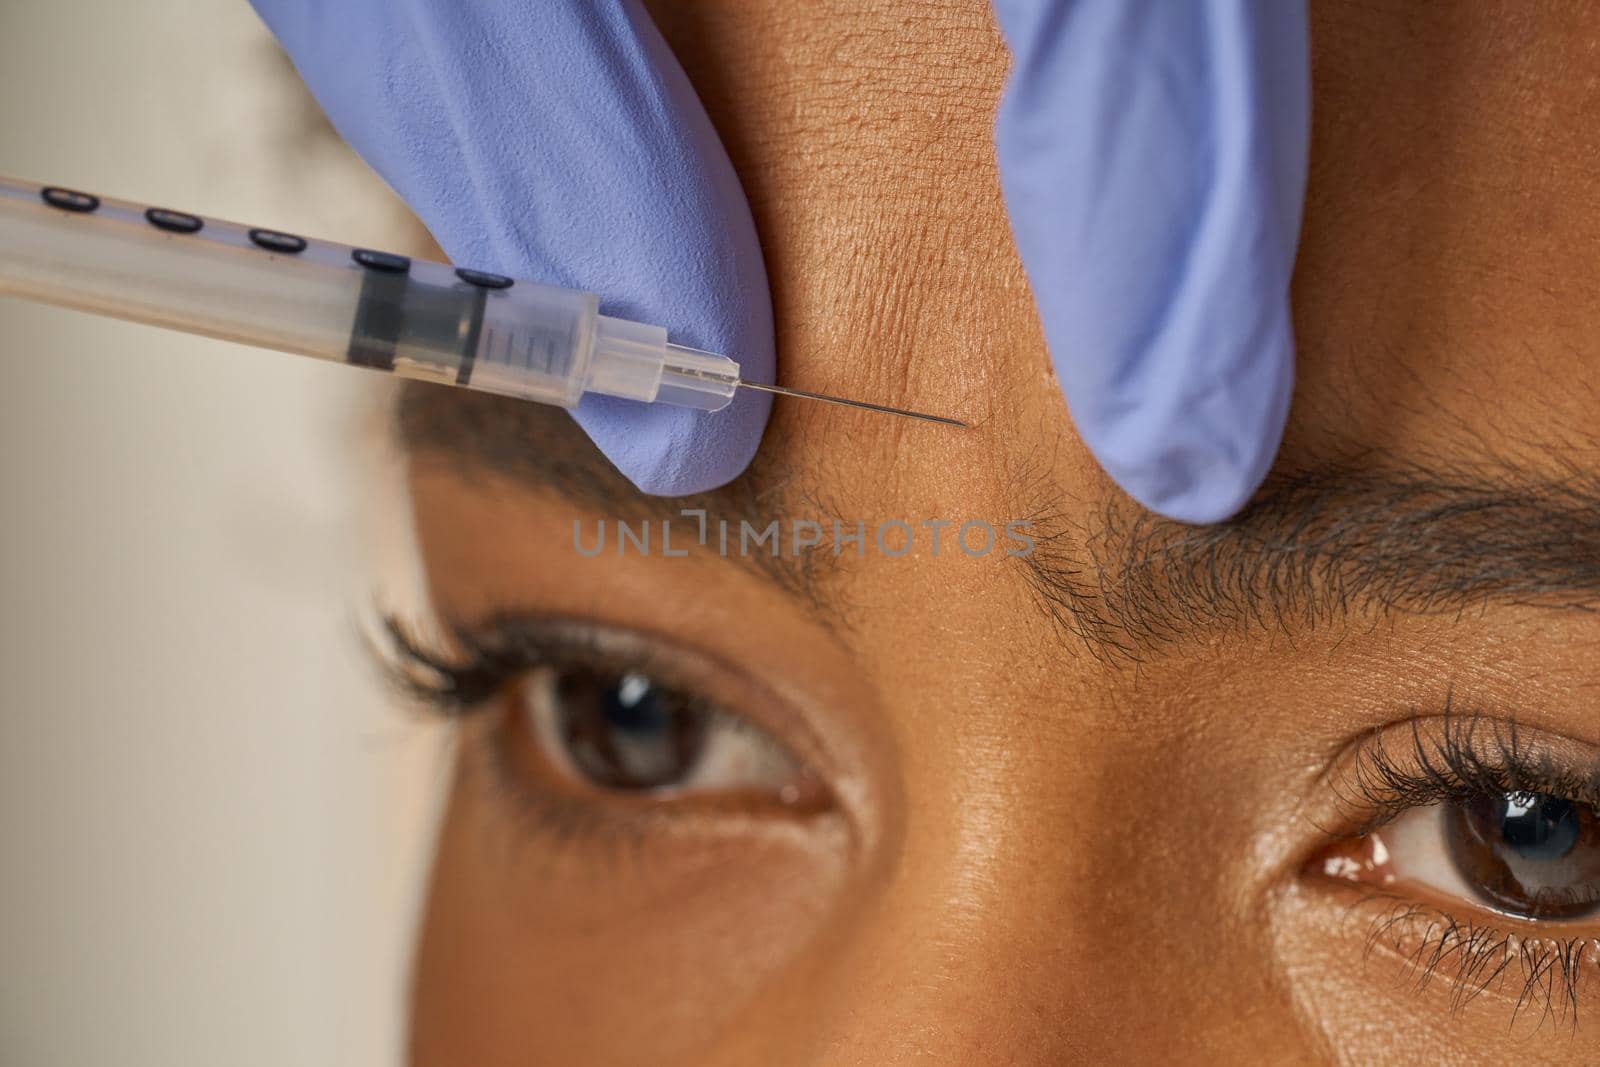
pixel 1529 854
pixel 624 732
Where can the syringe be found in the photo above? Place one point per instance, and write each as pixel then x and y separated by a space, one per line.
pixel 414 318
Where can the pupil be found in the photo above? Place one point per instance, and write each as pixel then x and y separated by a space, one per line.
pixel 624 732
pixel 1538 826
pixel 633 705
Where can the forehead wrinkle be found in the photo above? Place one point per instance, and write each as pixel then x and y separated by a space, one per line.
pixel 543 449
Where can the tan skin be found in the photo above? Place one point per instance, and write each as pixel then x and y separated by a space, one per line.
pixel 1006 846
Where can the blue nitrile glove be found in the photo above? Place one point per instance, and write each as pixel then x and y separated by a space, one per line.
pixel 1153 157
pixel 559 141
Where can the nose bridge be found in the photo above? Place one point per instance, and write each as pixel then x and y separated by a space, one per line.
pixel 924 971
pixel 1037 914
pixel 968 953
pixel 979 947
pixel 960 943
pixel 948 989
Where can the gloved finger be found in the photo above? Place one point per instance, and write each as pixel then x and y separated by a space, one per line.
pixel 1153 159
pixel 560 141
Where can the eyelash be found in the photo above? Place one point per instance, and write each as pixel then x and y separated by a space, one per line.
pixel 1474 957
pixel 487 657
pixel 1454 766
pixel 1447 768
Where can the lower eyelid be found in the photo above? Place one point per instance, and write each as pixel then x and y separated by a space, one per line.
pixel 1459 949
pixel 1448 960
pixel 835 806
pixel 1472 960
pixel 558 826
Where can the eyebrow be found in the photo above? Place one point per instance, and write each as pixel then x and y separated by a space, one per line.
pixel 1359 538
pixel 1355 538
pixel 542 447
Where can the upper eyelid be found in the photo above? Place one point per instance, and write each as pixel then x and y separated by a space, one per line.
pixel 1454 754
pixel 513 643
pixel 501 645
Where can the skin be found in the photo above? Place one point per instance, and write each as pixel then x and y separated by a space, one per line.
pixel 1032 850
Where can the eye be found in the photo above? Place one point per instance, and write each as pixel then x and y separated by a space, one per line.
pixel 1533 856
pixel 621 732
pixel 588 721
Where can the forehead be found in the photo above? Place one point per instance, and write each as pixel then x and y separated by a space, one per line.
pixel 1445 289
pixel 1442 301
pixel 1444 296
pixel 862 136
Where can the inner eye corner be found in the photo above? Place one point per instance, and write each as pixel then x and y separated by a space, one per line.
pixel 1478 858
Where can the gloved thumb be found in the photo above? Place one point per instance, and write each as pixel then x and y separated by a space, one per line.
pixel 560 142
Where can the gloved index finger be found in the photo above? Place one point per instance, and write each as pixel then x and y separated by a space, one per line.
pixel 1153 159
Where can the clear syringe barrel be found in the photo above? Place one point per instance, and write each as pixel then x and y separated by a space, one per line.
pixel 413 318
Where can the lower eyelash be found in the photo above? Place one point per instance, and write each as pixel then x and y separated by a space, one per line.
pixel 469 681
pixel 544 816
pixel 1546 973
pixel 1457 758
pixel 464 685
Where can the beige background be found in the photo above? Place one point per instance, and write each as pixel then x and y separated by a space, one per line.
pixel 211 817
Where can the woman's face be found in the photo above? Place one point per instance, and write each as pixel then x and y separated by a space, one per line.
pixel 1114 790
